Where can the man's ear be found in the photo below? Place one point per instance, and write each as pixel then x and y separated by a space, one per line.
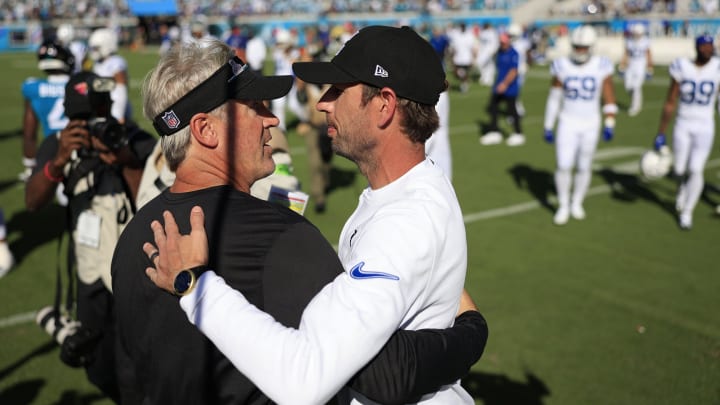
pixel 387 101
pixel 203 129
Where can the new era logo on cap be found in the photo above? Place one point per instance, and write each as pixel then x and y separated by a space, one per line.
pixel 380 71
pixel 383 56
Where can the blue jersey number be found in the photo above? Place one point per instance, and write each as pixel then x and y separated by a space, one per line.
pixel 580 87
pixel 697 93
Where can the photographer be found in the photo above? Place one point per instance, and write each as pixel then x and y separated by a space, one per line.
pixel 100 163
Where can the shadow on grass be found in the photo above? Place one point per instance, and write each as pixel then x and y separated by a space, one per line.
pixel 36 228
pixel 45 348
pixel 539 183
pixel 7 184
pixel 711 189
pixel 497 389
pixel 72 397
pixel 26 392
pixel 13 133
pixel 22 393
pixel 629 188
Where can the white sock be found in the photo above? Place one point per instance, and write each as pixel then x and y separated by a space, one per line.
pixel 562 187
pixel 580 188
pixel 693 189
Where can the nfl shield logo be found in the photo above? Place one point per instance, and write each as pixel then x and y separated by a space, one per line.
pixel 171 120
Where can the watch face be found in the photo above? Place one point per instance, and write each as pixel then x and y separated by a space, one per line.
pixel 183 281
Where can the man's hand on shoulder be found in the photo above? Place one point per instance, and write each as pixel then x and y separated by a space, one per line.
pixel 176 252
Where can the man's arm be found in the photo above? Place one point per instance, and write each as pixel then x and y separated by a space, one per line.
pixel 414 363
pixel 506 81
pixel 339 333
pixel 669 107
pixel 41 186
pixel 30 127
pixel 624 61
pixel 119 95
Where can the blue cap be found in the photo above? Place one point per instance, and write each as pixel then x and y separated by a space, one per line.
pixel 703 39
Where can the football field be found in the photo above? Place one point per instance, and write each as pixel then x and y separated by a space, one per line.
pixel 620 308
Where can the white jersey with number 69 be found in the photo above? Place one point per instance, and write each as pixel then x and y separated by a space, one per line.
pixel 582 87
pixel 698 88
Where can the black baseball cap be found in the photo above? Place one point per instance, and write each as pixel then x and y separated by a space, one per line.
pixel 85 93
pixel 383 56
pixel 234 80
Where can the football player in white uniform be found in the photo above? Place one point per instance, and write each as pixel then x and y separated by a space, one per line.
pixel 578 82
pixel 103 44
pixel 695 83
pixel 489 45
pixel 463 48
pixel 66 35
pixel 636 65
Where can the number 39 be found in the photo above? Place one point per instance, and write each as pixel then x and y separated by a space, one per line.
pixel 698 93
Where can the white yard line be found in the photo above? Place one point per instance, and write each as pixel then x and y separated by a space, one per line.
pixel 17 319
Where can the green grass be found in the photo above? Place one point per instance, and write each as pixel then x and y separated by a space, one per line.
pixel 565 305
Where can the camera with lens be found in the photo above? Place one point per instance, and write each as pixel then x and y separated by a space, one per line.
pixel 77 343
pixel 87 97
pixel 109 131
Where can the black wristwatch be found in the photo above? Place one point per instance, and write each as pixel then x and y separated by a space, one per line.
pixel 186 280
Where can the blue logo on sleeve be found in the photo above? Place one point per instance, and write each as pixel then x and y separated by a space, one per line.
pixel 358 273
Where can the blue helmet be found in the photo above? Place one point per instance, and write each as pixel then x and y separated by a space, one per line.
pixel 703 39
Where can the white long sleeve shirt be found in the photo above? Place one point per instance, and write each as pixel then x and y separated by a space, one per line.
pixel 405 256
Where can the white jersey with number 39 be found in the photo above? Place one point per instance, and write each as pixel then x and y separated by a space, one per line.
pixel 582 87
pixel 698 88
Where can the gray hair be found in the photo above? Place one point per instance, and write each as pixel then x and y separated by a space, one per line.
pixel 181 69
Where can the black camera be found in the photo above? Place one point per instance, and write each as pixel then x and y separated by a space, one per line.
pixel 77 343
pixel 109 131
pixel 87 96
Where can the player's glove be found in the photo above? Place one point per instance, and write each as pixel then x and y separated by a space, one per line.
pixel 549 136
pixel 608 128
pixel 660 141
pixel 608 134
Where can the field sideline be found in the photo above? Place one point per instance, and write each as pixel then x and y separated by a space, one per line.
pixel 621 308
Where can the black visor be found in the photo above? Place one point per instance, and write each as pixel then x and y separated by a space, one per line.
pixel 234 80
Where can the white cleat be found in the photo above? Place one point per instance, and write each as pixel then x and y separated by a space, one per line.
pixel 561 216
pixel 685 221
pixel 577 212
pixel 633 112
pixel 25 175
pixel 491 138
pixel 515 140
pixel 6 259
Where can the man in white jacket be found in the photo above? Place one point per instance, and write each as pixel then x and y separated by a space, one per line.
pixel 404 248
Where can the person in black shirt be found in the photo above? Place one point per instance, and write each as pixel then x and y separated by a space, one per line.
pixel 207 105
pixel 99 162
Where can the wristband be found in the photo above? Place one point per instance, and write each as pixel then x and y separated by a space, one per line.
pixel 610 109
pixel 29 162
pixel 46 172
